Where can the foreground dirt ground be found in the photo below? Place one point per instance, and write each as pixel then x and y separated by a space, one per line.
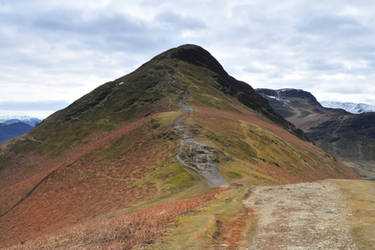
pixel 316 215
pixel 329 214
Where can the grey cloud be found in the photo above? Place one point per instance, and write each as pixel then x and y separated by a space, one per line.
pixel 43 105
pixel 332 25
pixel 322 65
pixel 268 44
pixel 254 69
pixel 343 88
pixel 115 32
pixel 178 21
pixel 72 21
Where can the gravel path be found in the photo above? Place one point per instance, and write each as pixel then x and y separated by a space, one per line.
pixel 300 216
pixel 194 155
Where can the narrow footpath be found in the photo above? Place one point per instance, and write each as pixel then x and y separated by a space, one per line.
pixel 194 155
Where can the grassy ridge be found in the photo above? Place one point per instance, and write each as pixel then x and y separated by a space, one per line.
pixel 132 165
pixel 111 104
pixel 248 148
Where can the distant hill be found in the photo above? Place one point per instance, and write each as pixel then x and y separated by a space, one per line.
pixel 32 121
pixel 16 126
pixel 354 108
pixel 349 137
pixel 9 131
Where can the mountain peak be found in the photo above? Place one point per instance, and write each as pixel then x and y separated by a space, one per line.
pixel 195 55
pixel 287 93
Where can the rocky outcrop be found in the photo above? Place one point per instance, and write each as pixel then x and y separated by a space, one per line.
pixel 194 155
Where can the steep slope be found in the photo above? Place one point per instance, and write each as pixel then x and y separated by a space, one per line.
pixel 9 131
pixel 159 139
pixel 348 137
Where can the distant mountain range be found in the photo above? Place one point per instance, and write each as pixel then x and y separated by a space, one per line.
pixel 354 108
pixel 349 137
pixel 32 121
pixel 16 126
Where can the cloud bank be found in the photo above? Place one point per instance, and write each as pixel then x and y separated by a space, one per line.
pixel 60 50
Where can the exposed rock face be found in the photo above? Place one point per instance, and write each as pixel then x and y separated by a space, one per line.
pixel 349 137
pixel 194 155
pixel 199 158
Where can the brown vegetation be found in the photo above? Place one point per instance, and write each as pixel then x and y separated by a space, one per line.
pixel 125 231
pixel 88 186
pixel 233 234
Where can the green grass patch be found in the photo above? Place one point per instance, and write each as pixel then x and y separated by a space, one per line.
pixel 362 236
pixel 4 159
pixel 170 177
pixel 248 147
pixel 165 119
pixel 202 85
pixel 250 233
pixel 179 178
pixel 115 149
pixel 361 199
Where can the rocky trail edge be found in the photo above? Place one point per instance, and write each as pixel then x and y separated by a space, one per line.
pixel 194 155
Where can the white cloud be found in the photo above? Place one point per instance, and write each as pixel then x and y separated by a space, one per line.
pixel 60 50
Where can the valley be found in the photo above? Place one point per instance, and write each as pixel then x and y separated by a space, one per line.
pixel 348 137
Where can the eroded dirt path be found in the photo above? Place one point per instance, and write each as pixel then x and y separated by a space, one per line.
pixel 194 155
pixel 300 216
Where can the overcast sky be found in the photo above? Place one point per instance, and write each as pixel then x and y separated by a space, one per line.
pixel 53 52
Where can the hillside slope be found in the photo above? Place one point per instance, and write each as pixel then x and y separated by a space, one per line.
pixel 151 145
pixel 348 137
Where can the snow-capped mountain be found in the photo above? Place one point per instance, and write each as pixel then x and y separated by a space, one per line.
pixel 354 108
pixel 8 120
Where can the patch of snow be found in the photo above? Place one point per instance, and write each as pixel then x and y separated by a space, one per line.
pixel 120 83
pixel 286 89
pixel 354 108
pixel 278 99
pixel 273 97
pixel 283 90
